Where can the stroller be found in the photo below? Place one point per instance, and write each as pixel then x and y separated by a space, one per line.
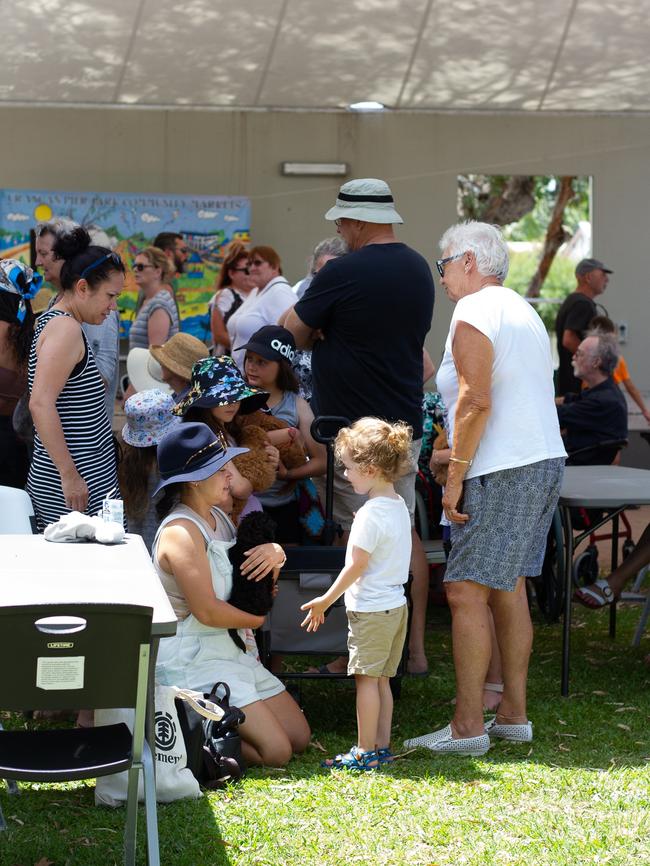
pixel 310 570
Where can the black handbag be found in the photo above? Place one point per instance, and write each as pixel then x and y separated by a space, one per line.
pixel 213 747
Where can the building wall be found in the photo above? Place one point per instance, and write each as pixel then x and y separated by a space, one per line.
pixel 238 153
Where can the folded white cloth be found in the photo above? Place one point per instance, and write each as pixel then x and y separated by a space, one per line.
pixel 76 526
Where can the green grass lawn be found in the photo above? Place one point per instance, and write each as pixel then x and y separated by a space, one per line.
pixel 579 795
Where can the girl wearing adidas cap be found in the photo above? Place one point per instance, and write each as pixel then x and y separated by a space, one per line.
pixel 267 365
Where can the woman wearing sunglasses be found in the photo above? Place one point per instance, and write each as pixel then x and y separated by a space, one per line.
pixel 74 466
pixel 157 318
pixel 265 304
pixel 233 286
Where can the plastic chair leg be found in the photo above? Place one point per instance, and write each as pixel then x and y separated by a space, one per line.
pixel 131 825
pixel 638 634
pixel 151 813
pixel 12 788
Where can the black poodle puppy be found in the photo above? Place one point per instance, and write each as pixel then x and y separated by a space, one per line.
pixel 253 596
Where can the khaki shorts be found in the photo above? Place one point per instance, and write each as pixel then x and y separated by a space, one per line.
pixel 347 502
pixel 376 641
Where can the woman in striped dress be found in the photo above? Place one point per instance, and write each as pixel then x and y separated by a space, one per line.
pixel 74 465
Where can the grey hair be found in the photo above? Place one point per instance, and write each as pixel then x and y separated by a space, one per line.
pixel 335 247
pixel 57 226
pixel 607 352
pixel 485 241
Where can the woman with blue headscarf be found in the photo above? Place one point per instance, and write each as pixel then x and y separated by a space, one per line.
pixel 18 285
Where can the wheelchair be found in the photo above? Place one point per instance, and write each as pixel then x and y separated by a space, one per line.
pixel 549 587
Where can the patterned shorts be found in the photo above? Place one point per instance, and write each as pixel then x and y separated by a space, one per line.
pixel 510 514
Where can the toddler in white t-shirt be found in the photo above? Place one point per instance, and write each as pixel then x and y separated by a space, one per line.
pixel 374 454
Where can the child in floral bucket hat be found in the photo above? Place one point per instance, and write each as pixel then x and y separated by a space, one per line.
pixel 148 418
pixel 217 395
pixel 218 382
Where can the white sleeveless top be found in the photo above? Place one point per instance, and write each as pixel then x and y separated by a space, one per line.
pixel 218 541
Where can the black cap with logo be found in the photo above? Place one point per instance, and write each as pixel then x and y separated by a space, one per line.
pixel 272 342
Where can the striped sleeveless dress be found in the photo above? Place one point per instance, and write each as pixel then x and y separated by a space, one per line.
pixel 88 435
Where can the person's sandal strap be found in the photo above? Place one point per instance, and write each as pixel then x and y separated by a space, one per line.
pixel 493 687
pixel 385 756
pixel 358 760
pixel 598 594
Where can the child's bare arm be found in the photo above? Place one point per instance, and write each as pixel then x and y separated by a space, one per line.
pixel 635 394
pixel 350 574
pixel 281 437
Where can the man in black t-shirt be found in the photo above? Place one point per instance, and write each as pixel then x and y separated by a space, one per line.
pixel 367 314
pixel 373 309
pixel 574 317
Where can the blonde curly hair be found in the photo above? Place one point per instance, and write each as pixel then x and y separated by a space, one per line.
pixel 371 443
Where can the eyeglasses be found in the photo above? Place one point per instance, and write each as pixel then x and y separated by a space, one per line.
pixel 257 262
pixel 109 257
pixel 138 266
pixel 242 270
pixel 440 263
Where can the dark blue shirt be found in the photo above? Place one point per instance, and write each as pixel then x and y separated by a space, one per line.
pixel 374 307
pixel 595 415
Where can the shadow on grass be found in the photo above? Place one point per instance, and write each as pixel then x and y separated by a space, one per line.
pixel 602 724
pixel 61 824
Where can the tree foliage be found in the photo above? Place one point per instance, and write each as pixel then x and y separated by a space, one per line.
pixel 541 209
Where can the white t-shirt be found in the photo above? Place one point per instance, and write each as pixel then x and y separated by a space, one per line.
pixel 382 527
pixel 259 309
pixel 522 427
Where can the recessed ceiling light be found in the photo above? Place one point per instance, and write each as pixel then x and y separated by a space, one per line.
pixel 369 105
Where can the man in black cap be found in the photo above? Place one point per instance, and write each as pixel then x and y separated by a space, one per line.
pixel 574 317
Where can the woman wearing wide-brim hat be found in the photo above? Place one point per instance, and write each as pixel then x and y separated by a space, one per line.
pixel 190 554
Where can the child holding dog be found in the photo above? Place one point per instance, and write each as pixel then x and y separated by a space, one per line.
pixel 267 366
pixel 374 454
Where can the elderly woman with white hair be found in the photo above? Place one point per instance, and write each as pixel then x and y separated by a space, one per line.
pixel 505 471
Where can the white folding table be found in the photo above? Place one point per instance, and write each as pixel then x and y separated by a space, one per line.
pixel 36 571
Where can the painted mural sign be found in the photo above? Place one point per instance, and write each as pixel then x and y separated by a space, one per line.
pixel 127 222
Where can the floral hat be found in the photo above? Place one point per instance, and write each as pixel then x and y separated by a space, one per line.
pixel 218 382
pixel 148 418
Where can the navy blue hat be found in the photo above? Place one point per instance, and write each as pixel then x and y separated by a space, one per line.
pixel 191 452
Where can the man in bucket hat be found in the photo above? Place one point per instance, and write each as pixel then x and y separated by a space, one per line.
pixel 373 308
pixel 574 318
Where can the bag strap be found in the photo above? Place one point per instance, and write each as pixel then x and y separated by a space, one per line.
pixel 225 700
pixel 206 708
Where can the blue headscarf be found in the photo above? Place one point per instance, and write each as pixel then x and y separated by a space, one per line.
pixel 19 279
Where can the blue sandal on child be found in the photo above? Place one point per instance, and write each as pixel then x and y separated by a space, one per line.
pixel 355 759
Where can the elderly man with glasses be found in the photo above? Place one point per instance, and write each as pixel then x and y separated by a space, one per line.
pixel 598 412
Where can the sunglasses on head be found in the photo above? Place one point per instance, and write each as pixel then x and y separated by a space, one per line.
pixel 109 257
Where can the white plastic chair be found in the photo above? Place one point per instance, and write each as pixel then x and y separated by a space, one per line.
pixel 641 598
pixel 16 512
